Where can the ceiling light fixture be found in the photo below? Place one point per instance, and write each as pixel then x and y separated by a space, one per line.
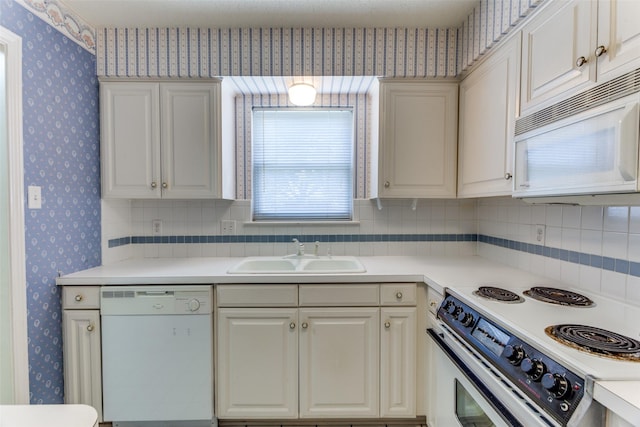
pixel 302 94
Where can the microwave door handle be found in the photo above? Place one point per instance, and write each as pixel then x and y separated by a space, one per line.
pixel 628 143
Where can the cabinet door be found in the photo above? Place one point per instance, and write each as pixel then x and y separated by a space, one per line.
pixel 130 143
pixel 339 373
pixel 257 373
pixel 190 140
pixel 488 109
pixel 82 361
pixel 418 139
pixel 619 34
pixel 552 44
pixel 398 362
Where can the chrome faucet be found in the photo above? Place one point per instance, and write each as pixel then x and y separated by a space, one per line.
pixel 300 248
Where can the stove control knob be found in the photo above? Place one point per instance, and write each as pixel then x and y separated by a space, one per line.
pixel 451 308
pixel 465 318
pixel 557 385
pixel 534 368
pixel 514 354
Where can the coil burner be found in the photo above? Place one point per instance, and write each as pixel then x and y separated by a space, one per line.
pixel 599 342
pixel 498 294
pixel 558 296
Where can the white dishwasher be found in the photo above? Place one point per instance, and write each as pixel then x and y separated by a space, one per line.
pixel 157 355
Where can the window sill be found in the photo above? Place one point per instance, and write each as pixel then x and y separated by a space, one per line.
pixel 320 223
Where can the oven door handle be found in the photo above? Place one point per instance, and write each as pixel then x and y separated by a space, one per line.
pixel 482 389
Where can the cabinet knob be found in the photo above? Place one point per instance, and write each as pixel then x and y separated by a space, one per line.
pixel 387 184
pixel 153 184
pixel 508 176
pixel 399 295
pixel 433 303
pixel 581 61
pixel 78 298
pixel 165 185
pixel 387 324
pixel 90 327
pixel 305 325
pixel 292 325
pixel 600 50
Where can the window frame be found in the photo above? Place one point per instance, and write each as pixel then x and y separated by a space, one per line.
pixel 319 219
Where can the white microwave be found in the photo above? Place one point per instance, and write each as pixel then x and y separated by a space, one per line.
pixel 591 153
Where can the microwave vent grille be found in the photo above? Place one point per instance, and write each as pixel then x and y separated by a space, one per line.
pixel 619 87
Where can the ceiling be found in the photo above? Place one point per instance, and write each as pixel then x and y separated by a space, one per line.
pixel 272 13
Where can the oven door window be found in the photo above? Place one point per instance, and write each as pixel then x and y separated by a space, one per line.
pixel 468 412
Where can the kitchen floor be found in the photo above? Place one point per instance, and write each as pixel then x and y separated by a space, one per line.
pixel 413 422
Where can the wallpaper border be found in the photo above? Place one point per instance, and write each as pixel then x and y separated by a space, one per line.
pixel 62 19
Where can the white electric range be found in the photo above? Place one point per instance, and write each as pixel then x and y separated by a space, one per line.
pixel 514 357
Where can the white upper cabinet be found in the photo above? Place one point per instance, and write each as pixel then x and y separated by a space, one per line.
pixel 556 51
pixel 488 109
pixel 189 140
pixel 573 44
pixel 163 140
pixel 417 139
pixel 130 142
pixel 618 37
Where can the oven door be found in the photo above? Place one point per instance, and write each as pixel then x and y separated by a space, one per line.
pixel 470 393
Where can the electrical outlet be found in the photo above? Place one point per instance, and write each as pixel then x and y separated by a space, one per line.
pixel 540 231
pixel 228 227
pixel 156 226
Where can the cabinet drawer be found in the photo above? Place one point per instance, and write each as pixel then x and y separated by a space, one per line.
pixel 257 295
pixel 398 294
pixel 339 295
pixel 80 297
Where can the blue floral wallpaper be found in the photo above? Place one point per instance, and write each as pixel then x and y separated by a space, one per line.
pixel 61 155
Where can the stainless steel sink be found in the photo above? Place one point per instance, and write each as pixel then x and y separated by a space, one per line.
pixel 305 264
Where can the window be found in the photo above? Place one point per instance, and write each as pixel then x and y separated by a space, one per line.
pixel 302 164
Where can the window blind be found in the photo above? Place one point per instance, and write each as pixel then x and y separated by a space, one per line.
pixel 302 166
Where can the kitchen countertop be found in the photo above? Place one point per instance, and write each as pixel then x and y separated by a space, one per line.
pixel 47 415
pixel 621 397
pixel 436 271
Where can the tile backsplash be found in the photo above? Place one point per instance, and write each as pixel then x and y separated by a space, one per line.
pixel 434 227
pixel 595 248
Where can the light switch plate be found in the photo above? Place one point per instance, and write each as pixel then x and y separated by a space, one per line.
pixel 34 193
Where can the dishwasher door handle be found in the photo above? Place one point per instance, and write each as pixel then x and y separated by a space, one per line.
pixel 155 293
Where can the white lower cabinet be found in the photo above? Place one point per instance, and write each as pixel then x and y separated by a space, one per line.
pixel 339 372
pixel 398 361
pixel 315 357
pixel 257 362
pixel 82 367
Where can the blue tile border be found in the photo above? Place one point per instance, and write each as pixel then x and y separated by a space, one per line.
pixel 322 238
pixel 114 243
pixel 606 263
